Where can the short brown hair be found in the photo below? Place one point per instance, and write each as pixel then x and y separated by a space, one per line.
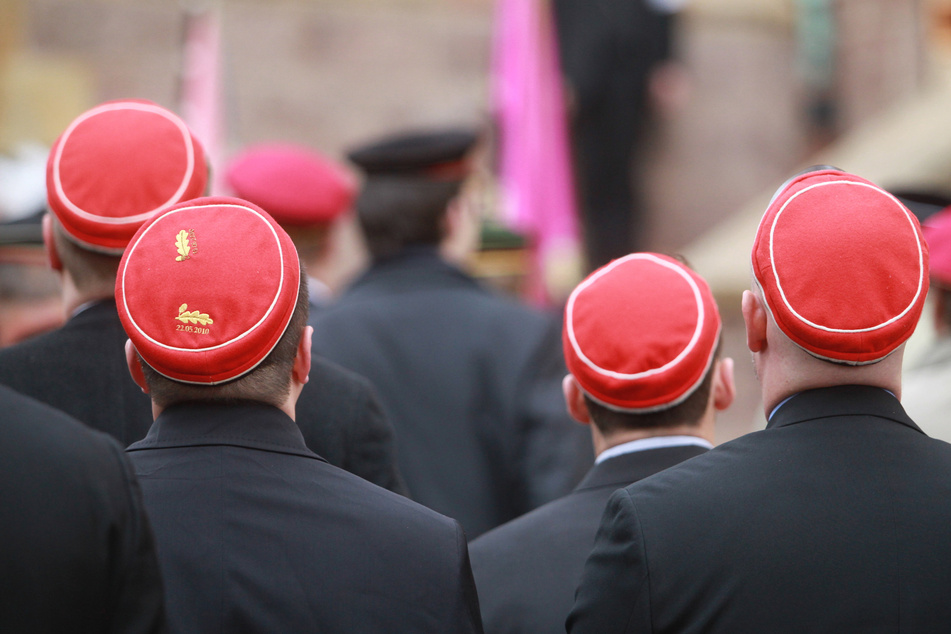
pixel 688 412
pixel 269 382
pixel 400 211
pixel 92 272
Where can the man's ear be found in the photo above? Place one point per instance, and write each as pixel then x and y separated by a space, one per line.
pixel 135 368
pixel 724 386
pixel 302 359
pixel 754 316
pixel 574 400
pixel 52 254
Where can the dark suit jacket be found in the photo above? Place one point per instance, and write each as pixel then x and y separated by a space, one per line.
pixel 78 553
pixel 527 570
pixel 81 370
pixel 256 533
pixel 833 519
pixel 471 382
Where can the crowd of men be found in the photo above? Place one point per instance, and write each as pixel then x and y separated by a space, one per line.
pixel 228 434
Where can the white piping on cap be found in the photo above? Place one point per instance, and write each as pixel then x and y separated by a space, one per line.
pixel 125 105
pixel 779 286
pixel 569 321
pixel 247 332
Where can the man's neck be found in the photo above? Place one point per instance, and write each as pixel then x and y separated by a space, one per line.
pixel 604 442
pixel 885 374
pixel 74 298
pixel 653 442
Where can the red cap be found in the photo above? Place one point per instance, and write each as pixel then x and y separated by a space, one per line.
pixel 842 265
pixel 937 231
pixel 295 185
pixel 118 164
pixel 640 333
pixel 206 289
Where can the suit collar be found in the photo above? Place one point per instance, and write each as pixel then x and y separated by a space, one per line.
pixel 95 311
pixel 841 400
pixel 238 424
pixel 631 467
pixel 414 267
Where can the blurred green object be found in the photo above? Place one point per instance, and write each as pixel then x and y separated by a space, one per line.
pixel 502 260
pixel 495 236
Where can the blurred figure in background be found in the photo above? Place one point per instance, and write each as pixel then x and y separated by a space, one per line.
pixel 311 197
pixel 30 295
pixel 617 57
pixel 650 392
pixel 470 379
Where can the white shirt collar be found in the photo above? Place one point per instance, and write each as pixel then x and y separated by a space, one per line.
pixel 319 293
pixel 653 442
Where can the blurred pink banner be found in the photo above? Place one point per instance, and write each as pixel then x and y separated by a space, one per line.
pixel 535 174
pixel 200 96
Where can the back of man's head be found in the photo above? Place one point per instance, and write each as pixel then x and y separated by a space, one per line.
pixel 211 295
pixel 641 336
pixel 410 180
pixel 113 168
pixel 841 266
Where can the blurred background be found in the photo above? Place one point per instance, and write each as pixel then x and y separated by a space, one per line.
pixel 766 87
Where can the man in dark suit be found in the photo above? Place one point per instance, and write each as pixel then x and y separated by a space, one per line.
pixel 256 533
pixel 78 553
pixel 650 396
pixel 471 380
pixel 113 167
pixel 833 518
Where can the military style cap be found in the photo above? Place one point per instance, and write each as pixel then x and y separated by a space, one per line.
pixel 437 155
pixel 640 333
pixel 842 265
pixel 206 289
pixel 118 164
pixel 937 232
pixel 297 186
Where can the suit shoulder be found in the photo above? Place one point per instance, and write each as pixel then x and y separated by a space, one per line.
pixel 35 426
pixel 398 516
pixel 29 352
pixel 337 377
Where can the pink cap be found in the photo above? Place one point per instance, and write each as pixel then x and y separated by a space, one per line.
pixel 937 232
pixel 295 185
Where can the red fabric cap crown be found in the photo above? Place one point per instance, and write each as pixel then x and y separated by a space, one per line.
pixel 937 231
pixel 206 289
pixel 842 265
pixel 118 164
pixel 296 186
pixel 640 333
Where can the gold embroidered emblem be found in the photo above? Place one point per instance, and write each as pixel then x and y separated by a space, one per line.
pixel 181 243
pixel 192 317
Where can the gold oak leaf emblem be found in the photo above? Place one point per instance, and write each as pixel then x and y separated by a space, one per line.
pixel 193 317
pixel 181 243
